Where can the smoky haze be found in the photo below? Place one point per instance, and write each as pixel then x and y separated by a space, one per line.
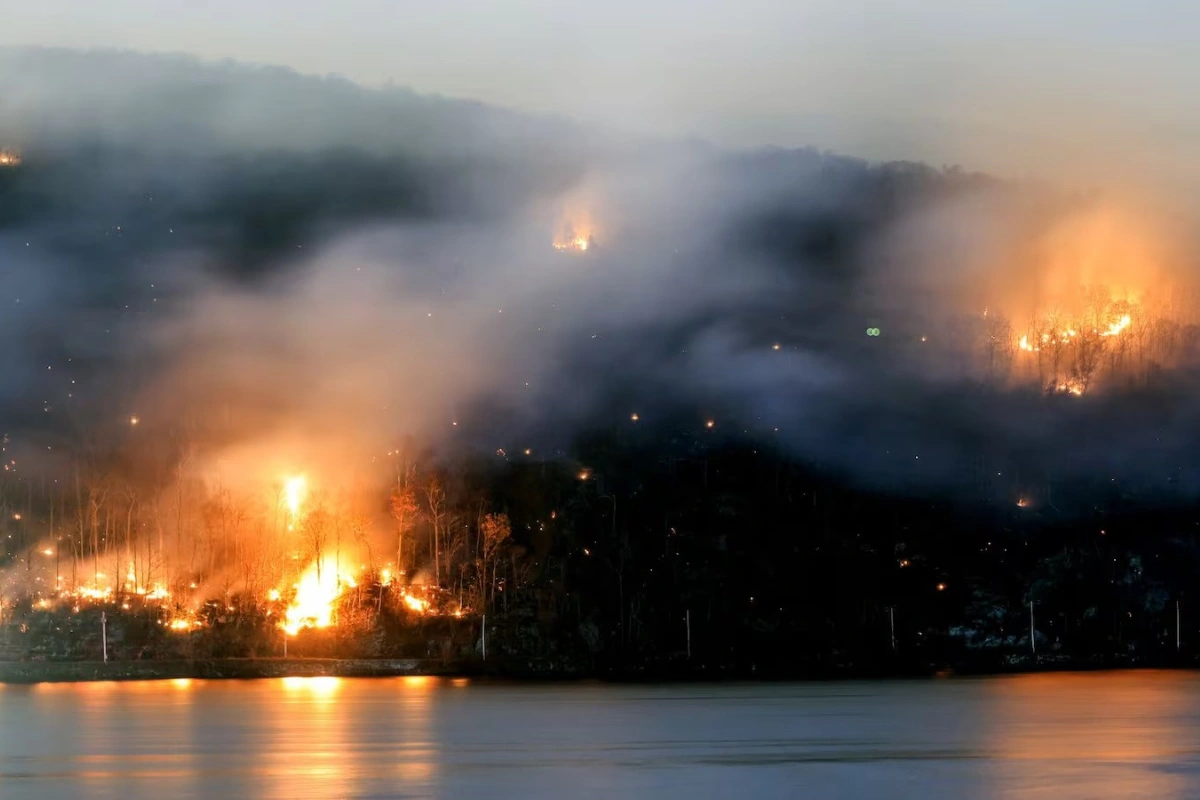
pixel 300 273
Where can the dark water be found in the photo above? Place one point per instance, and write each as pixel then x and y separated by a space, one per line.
pixel 1134 734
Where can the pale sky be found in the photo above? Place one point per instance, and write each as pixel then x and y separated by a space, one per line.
pixel 1017 86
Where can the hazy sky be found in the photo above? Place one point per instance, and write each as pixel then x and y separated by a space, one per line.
pixel 1016 85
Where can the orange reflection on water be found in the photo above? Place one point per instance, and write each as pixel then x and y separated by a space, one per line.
pixel 320 686
pixel 417 752
pixel 419 682
pixel 333 737
pixel 1104 734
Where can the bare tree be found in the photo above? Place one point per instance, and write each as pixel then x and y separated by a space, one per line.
pixel 404 509
pixel 435 497
pixel 316 533
pixel 494 531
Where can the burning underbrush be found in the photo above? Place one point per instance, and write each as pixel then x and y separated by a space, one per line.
pixel 574 240
pixel 316 618
pixel 1102 299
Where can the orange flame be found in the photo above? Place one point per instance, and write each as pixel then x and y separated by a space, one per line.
pixel 415 603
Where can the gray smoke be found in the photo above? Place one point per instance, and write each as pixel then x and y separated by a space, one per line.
pixel 304 267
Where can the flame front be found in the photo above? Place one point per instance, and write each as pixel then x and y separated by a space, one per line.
pixel 574 239
pixel 1118 326
pixel 316 594
pixel 579 244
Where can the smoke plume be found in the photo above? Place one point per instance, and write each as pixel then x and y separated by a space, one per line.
pixel 294 273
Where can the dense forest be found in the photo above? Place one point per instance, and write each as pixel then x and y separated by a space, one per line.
pixel 373 384
pixel 677 551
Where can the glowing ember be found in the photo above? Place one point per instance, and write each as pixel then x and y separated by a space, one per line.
pixel 273 595
pixel 1023 503
pixel 9 159
pixel 180 625
pixel 385 577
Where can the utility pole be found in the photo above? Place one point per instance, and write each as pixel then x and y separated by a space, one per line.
pixel 485 637
pixel 104 635
pixel 688 619
pixel 1032 637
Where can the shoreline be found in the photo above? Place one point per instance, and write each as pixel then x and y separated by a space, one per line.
pixel 34 672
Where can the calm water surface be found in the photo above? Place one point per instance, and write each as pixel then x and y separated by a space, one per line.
pixel 1132 734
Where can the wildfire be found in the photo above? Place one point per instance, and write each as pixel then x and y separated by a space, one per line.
pixel 8 158
pixel 574 241
pixel 1118 326
pixel 317 593
pixel 416 604
pixel 579 244
pixel 92 593
pixel 1074 339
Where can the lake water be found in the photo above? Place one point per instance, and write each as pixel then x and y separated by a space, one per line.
pixel 1131 734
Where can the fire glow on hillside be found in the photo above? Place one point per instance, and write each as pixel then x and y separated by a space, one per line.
pixel 574 239
pixel 1102 300
pixel 579 244
pixel 299 571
